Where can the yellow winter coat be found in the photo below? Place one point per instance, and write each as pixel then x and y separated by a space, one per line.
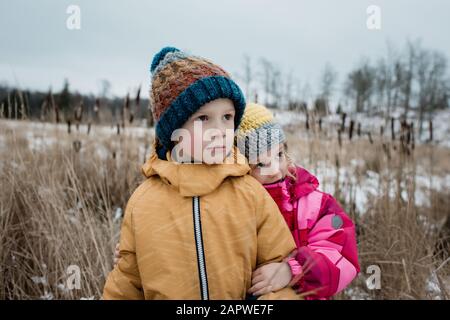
pixel 197 231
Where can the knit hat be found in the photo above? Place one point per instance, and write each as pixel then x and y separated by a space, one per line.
pixel 258 131
pixel 182 83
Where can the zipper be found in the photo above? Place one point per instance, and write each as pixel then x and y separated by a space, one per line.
pixel 204 291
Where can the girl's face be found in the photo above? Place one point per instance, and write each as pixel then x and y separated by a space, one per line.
pixel 271 166
pixel 208 135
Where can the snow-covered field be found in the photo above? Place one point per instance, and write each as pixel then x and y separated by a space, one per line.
pixel 102 140
pixel 359 189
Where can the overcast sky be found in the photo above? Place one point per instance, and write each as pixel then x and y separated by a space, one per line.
pixel 117 39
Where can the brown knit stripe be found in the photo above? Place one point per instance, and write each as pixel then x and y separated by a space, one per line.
pixel 175 77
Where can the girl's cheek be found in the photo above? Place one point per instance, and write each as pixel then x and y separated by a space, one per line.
pixel 284 167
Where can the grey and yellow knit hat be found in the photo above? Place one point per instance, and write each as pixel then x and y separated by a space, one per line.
pixel 258 131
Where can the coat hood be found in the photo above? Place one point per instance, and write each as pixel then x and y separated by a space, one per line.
pixel 195 179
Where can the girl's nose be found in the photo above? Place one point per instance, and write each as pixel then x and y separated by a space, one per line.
pixel 276 176
pixel 272 172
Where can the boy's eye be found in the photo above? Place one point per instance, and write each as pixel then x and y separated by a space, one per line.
pixel 228 116
pixel 280 154
pixel 202 118
pixel 260 165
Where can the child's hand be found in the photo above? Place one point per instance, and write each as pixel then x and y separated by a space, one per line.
pixel 270 277
pixel 116 255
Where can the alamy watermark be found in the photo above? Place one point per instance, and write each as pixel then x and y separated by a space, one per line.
pixel 373 21
pixel 73 21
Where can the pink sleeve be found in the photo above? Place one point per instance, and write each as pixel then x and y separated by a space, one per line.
pixel 330 258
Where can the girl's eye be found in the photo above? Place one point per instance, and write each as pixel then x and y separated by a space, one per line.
pixel 280 154
pixel 260 165
pixel 228 116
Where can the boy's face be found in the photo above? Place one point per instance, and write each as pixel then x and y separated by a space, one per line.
pixel 271 166
pixel 208 135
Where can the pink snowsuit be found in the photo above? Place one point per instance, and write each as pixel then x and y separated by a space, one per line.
pixel 324 234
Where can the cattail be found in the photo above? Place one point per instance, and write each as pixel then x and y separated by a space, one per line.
pixel 408 133
pixel 412 136
pixel 402 136
pixel 9 106
pixel 125 109
pixel 2 110
pixel 256 97
pixel 344 116
pixel 336 182
pixel 381 131
pixel 431 130
pixel 137 102
pixel 138 98
pixel 97 105
pixel 392 129
pixel 320 124
pixel 53 105
pixel 43 109
pixel 358 130
pixel 77 145
pixel 404 140
pixel 387 151
pixel 89 128
pixel 96 110
pixel 126 104
pixel 118 129
pixel 22 105
pixel 15 107
pixel 78 114
pixel 307 121
pixel 370 137
pixel 339 138
pixel 68 126
pixel 350 131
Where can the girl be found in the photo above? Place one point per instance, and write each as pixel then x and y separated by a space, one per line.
pixel 196 230
pixel 326 260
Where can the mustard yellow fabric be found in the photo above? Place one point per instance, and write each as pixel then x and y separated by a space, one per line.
pixel 241 224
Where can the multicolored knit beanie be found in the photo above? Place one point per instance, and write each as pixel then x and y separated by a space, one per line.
pixel 180 85
pixel 258 131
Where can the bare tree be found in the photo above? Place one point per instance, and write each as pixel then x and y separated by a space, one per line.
pixel 105 88
pixel 247 77
pixel 360 85
pixel 432 83
pixel 276 85
pixel 289 83
pixel 327 83
pixel 385 81
pixel 266 77
pixel 408 77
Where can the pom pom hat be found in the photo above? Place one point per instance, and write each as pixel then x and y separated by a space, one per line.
pixel 180 85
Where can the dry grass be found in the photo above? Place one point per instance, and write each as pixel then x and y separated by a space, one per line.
pixel 57 209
